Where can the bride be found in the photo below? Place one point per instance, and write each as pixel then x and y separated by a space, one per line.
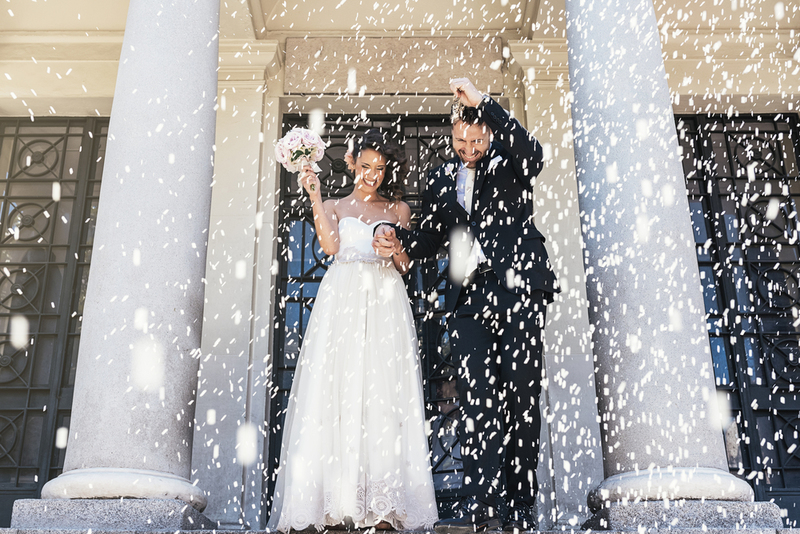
pixel 354 450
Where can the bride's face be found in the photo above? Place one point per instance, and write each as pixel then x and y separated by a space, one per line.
pixel 370 169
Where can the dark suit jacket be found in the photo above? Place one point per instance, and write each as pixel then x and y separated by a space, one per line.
pixel 502 210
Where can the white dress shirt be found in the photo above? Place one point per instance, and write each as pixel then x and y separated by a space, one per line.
pixel 465 186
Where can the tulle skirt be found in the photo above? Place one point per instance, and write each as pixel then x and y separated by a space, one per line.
pixel 354 444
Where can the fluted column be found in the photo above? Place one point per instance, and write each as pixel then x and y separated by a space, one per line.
pixel 133 411
pixel 661 439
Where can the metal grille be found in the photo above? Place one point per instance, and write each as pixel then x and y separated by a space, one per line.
pixel 744 191
pixel 49 187
pixel 302 265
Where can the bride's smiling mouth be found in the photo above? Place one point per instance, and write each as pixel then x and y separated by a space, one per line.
pixel 369 182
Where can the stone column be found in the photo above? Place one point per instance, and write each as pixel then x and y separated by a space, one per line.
pixel 661 440
pixel 133 411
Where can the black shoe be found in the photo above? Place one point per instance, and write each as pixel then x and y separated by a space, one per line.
pixel 521 518
pixel 472 516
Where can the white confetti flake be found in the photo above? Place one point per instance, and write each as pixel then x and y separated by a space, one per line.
pixel 612 174
pixel 773 208
pixel 19 331
pixel 642 129
pixel 246 449
pixel 460 247
pixel 140 319
pixel 241 269
pixel 61 437
pixel 147 364
pixel 316 121
pixel 352 84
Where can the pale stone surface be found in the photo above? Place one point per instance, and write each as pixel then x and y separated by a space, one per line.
pixel 137 369
pixel 570 413
pixel 266 267
pixel 689 514
pixel 226 385
pixel 655 383
pixel 406 65
pixel 110 514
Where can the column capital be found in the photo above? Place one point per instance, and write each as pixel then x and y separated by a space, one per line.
pixel 248 61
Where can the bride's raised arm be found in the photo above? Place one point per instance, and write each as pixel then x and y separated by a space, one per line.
pixel 325 219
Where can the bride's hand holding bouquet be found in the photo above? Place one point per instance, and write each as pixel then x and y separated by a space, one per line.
pixel 299 151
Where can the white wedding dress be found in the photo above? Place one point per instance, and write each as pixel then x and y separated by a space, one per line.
pixel 354 442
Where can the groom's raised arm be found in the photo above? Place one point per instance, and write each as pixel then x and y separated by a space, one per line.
pixel 525 150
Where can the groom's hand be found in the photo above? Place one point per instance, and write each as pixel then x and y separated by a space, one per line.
pixel 464 90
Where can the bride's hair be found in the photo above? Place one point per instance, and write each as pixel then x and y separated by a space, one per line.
pixel 396 162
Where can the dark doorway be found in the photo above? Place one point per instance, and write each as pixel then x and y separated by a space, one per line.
pixel 302 265
pixel 744 195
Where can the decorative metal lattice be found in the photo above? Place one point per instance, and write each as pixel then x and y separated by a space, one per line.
pixel 302 265
pixel 49 183
pixel 744 190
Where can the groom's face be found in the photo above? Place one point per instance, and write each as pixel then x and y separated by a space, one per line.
pixel 471 142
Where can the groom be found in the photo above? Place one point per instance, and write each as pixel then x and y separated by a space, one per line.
pixel 481 205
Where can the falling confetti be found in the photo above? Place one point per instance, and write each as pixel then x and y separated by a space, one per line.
pixel 19 331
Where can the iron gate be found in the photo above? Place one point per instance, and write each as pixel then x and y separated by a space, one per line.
pixel 49 187
pixel 744 194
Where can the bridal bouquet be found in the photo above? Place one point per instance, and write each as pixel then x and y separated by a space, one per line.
pixel 298 148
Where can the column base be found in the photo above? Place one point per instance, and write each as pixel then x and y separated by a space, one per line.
pixel 116 483
pixel 686 514
pixel 674 484
pixel 107 514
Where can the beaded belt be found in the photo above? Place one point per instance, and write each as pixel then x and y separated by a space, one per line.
pixel 354 255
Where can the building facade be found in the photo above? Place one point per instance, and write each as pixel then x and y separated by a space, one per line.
pixel 668 199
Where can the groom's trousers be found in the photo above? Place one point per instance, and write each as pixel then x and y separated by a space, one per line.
pixel 496 339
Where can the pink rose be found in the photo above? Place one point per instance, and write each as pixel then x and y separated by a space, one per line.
pixel 281 153
pixel 298 145
pixel 315 143
pixel 309 138
pixel 293 140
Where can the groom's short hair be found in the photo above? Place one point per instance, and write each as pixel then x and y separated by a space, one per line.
pixel 466 114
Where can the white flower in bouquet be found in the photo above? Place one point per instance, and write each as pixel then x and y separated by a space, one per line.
pixel 298 148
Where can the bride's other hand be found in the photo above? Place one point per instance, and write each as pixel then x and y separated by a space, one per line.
pixel 309 178
pixel 385 242
pixel 383 229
